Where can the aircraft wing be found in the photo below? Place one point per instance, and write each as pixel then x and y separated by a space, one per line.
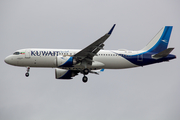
pixel 90 51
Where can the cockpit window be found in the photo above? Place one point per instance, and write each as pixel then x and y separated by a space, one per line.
pixel 16 53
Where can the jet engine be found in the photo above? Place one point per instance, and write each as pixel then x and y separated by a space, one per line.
pixel 65 61
pixel 64 74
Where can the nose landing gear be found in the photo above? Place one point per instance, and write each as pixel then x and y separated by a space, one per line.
pixel 27 73
pixel 85 72
pixel 85 79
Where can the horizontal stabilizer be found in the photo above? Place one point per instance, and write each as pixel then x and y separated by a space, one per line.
pixel 163 53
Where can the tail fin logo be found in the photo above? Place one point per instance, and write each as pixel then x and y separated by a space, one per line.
pixel 165 41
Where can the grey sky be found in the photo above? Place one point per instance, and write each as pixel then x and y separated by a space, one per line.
pixel 148 93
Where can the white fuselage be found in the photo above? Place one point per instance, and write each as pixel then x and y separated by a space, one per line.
pixel 69 62
pixel 47 58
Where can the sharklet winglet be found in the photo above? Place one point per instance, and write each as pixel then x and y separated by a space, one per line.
pixel 111 29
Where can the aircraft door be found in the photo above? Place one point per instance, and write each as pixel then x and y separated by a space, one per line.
pixel 140 57
pixel 27 54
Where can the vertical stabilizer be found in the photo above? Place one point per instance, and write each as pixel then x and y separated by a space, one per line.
pixel 160 41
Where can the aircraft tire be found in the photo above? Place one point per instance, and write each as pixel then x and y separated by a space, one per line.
pixel 27 74
pixel 85 71
pixel 85 79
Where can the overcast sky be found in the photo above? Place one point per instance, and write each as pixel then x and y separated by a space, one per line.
pixel 144 93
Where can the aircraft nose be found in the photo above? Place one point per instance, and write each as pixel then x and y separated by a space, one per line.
pixel 7 60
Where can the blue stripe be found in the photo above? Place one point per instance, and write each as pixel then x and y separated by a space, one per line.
pixel 146 58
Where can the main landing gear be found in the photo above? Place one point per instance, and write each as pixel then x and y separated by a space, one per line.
pixel 85 72
pixel 27 73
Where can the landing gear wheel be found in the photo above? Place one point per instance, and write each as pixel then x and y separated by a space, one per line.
pixel 85 71
pixel 27 74
pixel 85 79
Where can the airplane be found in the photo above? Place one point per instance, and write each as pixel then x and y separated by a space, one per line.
pixel 93 58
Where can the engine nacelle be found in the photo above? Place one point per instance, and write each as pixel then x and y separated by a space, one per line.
pixel 65 61
pixel 64 74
